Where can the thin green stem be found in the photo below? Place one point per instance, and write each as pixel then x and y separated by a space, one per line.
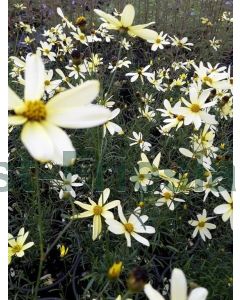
pixel 114 73
pixel 39 226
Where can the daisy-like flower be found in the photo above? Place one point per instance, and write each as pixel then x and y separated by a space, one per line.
pixel 214 77
pixel 126 44
pixel 146 167
pixel 41 133
pixel 206 21
pixel 94 63
pixel 119 64
pixel 66 184
pixel 159 41
pixel 215 44
pixel 46 51
pixel 142 179
pixel 209 186
pixel 125 23
pixel 27 40
pixel 174 121
pixel 156 83
pixel 49 84
pixel 17 246
pixel 140 73
pixel 80 36
pixel 195 111
pixel 178 289
pixel 77 71
pixel 226 210
pixel 202 226
pixel 181 43
pixel 112 127
pixel 146 113
pixel 138 140
pixel 168 196
pixel 131 227
pixel 97 210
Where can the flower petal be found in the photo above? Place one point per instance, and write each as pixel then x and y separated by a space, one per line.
pixel 78 96
pixel 109 18
pixel 34 78
pixel 79 117
pixel 111 204
pixel 97 226
pixel 114 226
pixel 198 294
pixel 16 120
pixel 13 100
pixel 178 285
pixel 104 196
pixel 146 34
pixel 37 141
pixel 140 239
pixel 151 293
pixel 63 150
pixel 128 15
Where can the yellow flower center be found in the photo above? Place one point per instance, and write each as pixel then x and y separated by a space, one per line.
pixel 158 41
pixel 97 210
pixel 201 224
pixel 17 248
pixel 129 227
pixel 195 108
pixel 46 51
pixel 141 177
pixel 34 111
pixel 207 80
pixel 47 82
pixel 82 37
pixel 180 117
pixel 167 195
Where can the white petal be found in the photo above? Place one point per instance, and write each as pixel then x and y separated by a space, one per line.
pixel 140 239
pixel 178 285
pixel 63 150
pixel 13 100
pixel 80 117
pixel 115 226
pixel 111 204
pixel 198 294
pixel 151 293
pixel 128 15
pixel 34 78
pixel 221 209
pixel 78 96
pixel 186 152
pixel 37 141
pixel 16 120
pixel 104 196
pixel 121 215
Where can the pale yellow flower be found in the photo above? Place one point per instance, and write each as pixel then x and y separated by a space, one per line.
pixel 18 246
pixel 125 23
pixel 41 133
pixel 97 210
